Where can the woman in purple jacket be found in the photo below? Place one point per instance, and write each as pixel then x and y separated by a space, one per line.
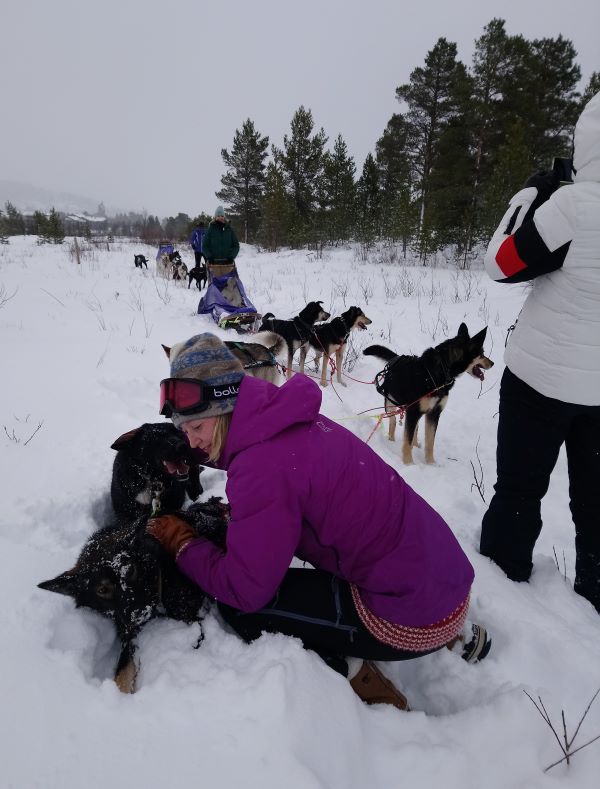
pixel 390 581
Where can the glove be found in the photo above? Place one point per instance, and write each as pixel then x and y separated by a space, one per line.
pixel 545 181
pixel 171 532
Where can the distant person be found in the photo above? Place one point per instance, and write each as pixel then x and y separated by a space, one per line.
pixel 550 391
pixel 220 243
pixel 196 240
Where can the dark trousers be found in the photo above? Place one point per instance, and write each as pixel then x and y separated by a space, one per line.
pixel 317 608
pixel 198 256
pixel 531 430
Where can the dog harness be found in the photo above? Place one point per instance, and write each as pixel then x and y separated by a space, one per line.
pixel 417 379
pixel 251 363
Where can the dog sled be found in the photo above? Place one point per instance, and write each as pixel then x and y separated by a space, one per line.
pixel 226 300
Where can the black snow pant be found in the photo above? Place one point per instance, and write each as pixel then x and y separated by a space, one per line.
pixel 317 608
pixel 531 430
pixel 198 256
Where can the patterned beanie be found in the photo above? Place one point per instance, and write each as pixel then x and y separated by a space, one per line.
pixel 207 359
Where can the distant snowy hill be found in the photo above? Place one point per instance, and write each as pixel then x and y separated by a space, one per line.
pixel 34 198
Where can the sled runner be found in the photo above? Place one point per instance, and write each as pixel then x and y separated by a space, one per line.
pixel 226 300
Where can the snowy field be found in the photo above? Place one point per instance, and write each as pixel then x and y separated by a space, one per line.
pixel 81 359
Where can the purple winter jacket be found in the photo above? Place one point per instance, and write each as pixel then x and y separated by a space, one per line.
pixel 301 485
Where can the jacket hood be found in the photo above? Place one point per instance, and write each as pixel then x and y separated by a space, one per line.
pixel 263 410
pixel 586 158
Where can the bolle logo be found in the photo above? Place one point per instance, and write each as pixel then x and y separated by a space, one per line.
pixel 229 392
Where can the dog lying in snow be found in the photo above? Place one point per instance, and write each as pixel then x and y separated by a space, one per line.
pixel 123 574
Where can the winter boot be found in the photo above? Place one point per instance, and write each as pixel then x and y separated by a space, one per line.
pixel 373 688
pixel 474 641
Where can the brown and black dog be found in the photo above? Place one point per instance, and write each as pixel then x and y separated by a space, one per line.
pixel 420 384
pixel 331 337
pixel 295 332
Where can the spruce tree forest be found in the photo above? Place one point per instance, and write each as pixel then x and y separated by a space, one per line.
pixel 464 139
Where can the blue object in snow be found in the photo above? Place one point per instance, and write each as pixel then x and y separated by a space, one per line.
pixel 215 303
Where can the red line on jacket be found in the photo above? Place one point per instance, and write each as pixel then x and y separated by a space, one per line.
pixel 508 258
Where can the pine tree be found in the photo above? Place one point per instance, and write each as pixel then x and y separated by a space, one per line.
pixel 40 227
pixel 514 165
pixel 498 72
pixel 244 180
pixel 392 157
pixel 551 116
pixel 591 89
pixel 3 229
pixel 15 224
pixel 55 230
pixel 432 96
pixel 276 210
pixel 338 191
pixel 301 162
pixel 368 199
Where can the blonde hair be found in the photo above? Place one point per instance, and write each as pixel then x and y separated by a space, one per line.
pixel 219 436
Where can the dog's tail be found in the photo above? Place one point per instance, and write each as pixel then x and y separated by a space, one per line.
pixel 273 342
pixel 380 352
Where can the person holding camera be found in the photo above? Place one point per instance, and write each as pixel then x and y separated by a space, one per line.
pixel 550 390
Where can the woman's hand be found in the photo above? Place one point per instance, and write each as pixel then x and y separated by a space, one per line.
pixel 172 532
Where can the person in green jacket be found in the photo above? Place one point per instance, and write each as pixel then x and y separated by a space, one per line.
pixel 220 244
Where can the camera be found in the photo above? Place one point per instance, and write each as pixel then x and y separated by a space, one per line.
pixel 564 169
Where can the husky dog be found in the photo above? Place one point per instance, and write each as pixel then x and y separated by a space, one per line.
pixel 153 470
pixel 180 270
pixel 333 336
pixel 420 384
pixel 295 332
pixel 140 261
pixel 123 574
pixel 258 358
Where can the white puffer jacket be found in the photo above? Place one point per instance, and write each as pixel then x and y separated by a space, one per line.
pixel 555 347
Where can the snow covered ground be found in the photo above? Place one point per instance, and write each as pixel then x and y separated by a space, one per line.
pixel 81 358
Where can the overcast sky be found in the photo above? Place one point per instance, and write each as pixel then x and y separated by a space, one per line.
pixel 131 101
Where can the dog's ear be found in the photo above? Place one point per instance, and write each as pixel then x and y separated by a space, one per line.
pixel 167 350
pixel 67 583
pixel 463 332
pixel 478 339
pixel 125 439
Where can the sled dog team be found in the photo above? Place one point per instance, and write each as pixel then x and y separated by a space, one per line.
pixel 383 577
pixel 132 568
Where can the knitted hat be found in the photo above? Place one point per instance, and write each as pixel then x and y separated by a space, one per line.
pixel 219 211
pixel 207 359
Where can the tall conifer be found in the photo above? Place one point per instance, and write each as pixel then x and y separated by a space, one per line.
pixel 244 180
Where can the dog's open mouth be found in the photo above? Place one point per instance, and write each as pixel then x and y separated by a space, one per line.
pixel 362 325
pixel 477 371
pixel 179 469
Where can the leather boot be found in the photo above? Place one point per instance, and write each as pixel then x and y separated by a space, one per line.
pixel 373 688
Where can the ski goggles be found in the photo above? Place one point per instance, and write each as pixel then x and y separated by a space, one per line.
pixel 189 396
